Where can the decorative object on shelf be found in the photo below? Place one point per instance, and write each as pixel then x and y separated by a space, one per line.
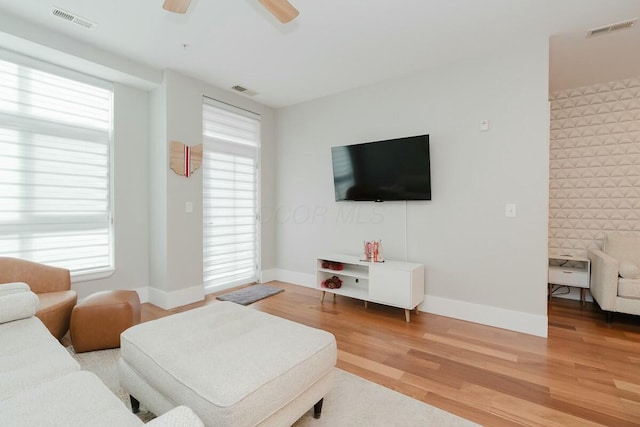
pixel 184 160
pixel 332 283
pixel 332 265
pixel 373 251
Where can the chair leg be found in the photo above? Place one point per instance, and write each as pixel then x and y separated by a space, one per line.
pixel 317 409
pixel 609 315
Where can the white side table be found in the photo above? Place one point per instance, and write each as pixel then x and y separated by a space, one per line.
pixel 569 270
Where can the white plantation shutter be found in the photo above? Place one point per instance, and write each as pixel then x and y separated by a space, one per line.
pixel 55 136
pixel 230 195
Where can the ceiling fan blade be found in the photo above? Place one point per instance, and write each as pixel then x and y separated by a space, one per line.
pixel 281 9
pixel 176 6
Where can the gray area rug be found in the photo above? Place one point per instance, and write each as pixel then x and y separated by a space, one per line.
pixel 250 294
pixel 353 401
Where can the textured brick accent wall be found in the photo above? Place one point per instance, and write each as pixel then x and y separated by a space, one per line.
pixel 594 176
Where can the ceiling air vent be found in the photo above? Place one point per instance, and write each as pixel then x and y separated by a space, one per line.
pixel 244 90
pixel 611 28
pixel 71 17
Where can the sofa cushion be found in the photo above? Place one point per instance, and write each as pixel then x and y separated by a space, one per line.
pixel 77 399
pixel 13 287
pixel 629 270
pixel 18 305
pixel 629 288
pixel 623 247
pixel 29 356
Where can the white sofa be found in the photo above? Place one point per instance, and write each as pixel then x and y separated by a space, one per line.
pixel 615 274
pixel 42 385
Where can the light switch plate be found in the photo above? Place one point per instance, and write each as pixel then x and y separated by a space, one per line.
pixel 188 207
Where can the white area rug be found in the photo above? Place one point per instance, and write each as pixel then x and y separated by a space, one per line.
pixel 353 401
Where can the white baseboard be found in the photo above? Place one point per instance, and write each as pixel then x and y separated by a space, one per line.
pixel 268 275
pixel 173 299
pixel 143 294
pixel 486 315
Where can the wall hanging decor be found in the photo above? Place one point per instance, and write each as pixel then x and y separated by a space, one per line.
pixel 184 160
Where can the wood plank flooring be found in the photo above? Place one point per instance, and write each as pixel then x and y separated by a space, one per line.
pixel 586 373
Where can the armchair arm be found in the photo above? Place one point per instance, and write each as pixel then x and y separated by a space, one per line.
pixel 604 279
pixel 40 277
pixel 17 305
pixel 180 416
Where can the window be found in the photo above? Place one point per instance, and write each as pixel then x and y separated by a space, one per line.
pixel 342 170
pixel 230 198
pixel 55 138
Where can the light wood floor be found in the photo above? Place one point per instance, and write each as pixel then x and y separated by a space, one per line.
pixel 586 373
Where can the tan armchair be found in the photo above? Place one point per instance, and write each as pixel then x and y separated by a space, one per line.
pixel 51 284
pixel 615 274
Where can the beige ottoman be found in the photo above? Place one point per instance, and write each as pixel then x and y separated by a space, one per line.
pixel 98 321
pixel 233 365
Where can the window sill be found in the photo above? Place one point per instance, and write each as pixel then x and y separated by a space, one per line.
pixel 87 276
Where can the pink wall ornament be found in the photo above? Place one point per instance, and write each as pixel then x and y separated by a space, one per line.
pixel 183 159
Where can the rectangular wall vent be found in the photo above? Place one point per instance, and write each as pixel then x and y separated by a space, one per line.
pixel 71 17
pixel 613 27
pixel 244 90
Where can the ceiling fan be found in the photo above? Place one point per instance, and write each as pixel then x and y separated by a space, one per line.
pixel 281 9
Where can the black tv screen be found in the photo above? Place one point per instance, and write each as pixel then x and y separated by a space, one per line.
pixel 394 169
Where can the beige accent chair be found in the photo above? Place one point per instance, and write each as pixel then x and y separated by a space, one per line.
pixel 51 284
pixel 615 274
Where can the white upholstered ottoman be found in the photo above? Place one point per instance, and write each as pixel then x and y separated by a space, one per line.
pixel 233 365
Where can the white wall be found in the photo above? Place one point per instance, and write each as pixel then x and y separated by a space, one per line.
pixel 157 152
pixel 131 138
pixel 184 230
pixel 131 183
pixel 594 180
pixel 480 265
pixel 158 248
pixel 177 267
pixel 594 174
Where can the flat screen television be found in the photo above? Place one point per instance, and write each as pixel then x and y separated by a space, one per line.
pixel 394 169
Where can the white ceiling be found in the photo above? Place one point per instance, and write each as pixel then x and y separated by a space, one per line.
pixel 334 45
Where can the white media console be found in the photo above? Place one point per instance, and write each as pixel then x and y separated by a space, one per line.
pixel 393 283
